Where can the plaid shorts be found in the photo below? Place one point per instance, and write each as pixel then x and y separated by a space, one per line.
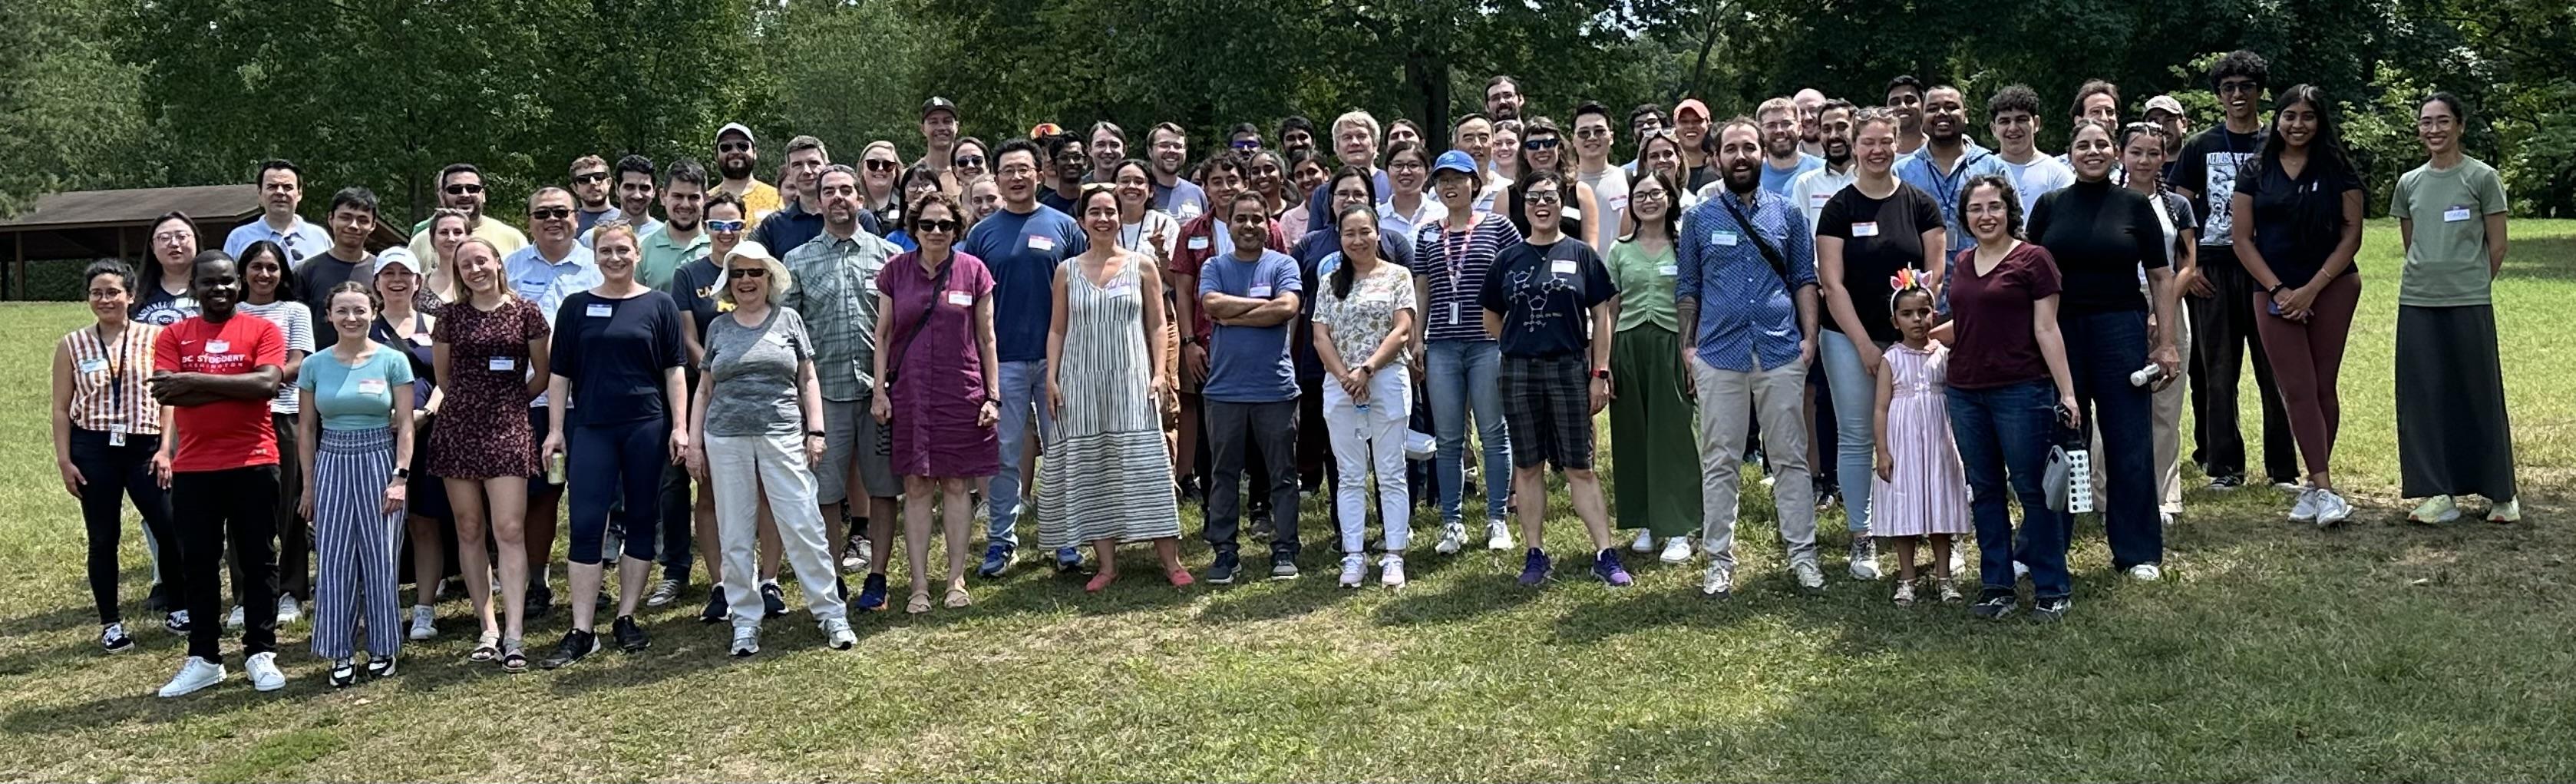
pixel 1547 405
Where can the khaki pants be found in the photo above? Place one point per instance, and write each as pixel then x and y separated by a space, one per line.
pixel 1778 396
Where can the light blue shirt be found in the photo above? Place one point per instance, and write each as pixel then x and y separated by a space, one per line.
pixel 1777 180
pixel 1916 169
pixel 301 239
pixel 355 398
pixel 1748 309
pixel 547 282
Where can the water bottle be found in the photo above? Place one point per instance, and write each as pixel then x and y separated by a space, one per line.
pixel 2150 374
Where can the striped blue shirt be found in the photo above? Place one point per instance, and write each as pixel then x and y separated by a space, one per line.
pixel 1452 266
pixel 1748 320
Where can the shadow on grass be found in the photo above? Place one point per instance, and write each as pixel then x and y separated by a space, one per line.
pixel 2542 258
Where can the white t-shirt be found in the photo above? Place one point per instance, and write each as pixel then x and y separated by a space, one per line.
pixel 1814 187
pixel 1610 190
pixel 2037 178
pixel 295 322
pixel 1133 236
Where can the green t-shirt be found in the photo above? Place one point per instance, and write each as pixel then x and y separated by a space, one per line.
pixel 2447 264
pixel 663 256
pixel 1645 286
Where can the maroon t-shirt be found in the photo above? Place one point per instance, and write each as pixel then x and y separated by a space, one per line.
pixel 1992 343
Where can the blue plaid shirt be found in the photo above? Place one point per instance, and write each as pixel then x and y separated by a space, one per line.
pixel 1748 320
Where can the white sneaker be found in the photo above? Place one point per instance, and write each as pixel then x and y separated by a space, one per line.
pixel 2331 508
pixel 1390 571
pixel 263 672
pixel 1354 570
pixel 2146 573
pixel 664 592
pixel 2021 571
pixel 1677 550
pixel 2507 512
pixel 196 674
pixel 2435 511
pixel 288 611
pixel 1809 577
pixel 1645 542
pixel 1498 535
pixel 1864 558
pixel 424 622
pixel 1717 580
pixel 234 621
pixel 746 640
pixel 1453 535
pixel 2305 511
pixel 837 631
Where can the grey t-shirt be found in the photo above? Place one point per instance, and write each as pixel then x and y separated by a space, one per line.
pixel 754 370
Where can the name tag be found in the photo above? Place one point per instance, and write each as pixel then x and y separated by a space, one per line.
pixel 218 346
pixel 1561 267
pixel 1668 270
pixel 504 364
pixel 1817 200
pixel 93 365
pixel 420 338
pixel 1041 244
pixel 1868 229
pixel 1259 292
pixel 2455 214
pixel 1198 243
pixel 960 298
pixel 1724 239
pixel 371 386
pixel 1453 314
pixel 1617 203
pixel 599 310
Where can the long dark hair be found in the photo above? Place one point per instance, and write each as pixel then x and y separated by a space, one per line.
pixel 152 259
pixel 1672 205
pixel 285 270
pixel 2317 220
pixel 1343 275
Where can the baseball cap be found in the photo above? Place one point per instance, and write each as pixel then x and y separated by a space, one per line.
pixel 2165 103
pixel 1691 106
pixel 1044 129
pixel 735 127
pixel 936 104
pixel 397 257
pixel 750 250
pixel 1454 160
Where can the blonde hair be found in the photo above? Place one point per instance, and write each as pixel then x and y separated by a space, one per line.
pixel 779 282
pixel 501 281
pixel 1774 105
pixel 1359 117
pixel 614 226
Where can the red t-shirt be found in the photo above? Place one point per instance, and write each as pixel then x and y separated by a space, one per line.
pixel 231 433
pixel 1992 344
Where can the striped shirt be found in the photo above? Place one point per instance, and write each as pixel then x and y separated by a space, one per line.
pixel 295 321
pixel 108 390
pixel 1452 266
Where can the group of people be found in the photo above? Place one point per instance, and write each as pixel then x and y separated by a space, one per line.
pixel 877 344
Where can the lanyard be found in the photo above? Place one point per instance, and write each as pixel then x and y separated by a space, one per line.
pixel 115 365
pixel 1453 248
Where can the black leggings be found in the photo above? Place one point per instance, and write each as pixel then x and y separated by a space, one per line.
pixel 109 475
pixel 235 507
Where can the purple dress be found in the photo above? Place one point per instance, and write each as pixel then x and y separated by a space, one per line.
pixel 935 374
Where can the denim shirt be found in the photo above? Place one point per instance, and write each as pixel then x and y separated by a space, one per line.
pixel 1748 315
pixel 1916 169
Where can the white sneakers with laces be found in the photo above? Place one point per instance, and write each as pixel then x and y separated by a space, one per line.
pixel 2305 510
pixel 1354 570
pixel 1677 550
pixel 2146 573
pixel 1498 535
pixel 263 672
pixel 197 673
pixel 1390 571
pixel 1453 537
pixel 2331 508
pixel 1645 542
pixel 424 622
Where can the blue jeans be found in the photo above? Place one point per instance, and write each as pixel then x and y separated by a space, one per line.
pixel 1465 375
pixel 2102 349
pixel 2001 431
pixel 1855 396
pixel 1023 397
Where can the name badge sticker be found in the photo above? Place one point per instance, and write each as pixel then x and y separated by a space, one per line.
pixel 960 298
pixel 1817 200
pixel 599 310
pixel 1453 314
pixel 1668 270
pixel 420 338
pixel 371 386
pixel 2455 214
pixel 218 346
pixel 1259 292
pixel 1198 243
pixel 96 365
pixel 502 364
pixel 1561 267
pixel 1041 244
pixel 1724 239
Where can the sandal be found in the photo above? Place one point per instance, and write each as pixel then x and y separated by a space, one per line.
pixel 486 648
pixel 514 657
pixel 957 597
pixel 920 604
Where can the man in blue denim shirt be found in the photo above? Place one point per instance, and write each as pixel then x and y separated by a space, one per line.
pixel 1947 160
pixel 1748 257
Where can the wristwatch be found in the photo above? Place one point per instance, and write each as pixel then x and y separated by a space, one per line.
pixel 402 473
pixel 815 433
pixel 1601 373
pixel 1189 339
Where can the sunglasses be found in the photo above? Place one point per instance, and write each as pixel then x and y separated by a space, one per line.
pixel 589 177
pixel 549 213
pixel 1542 197
pixel 724 225
pixel 748 272
pixel 943 226
pixel 462 189
pixel 1247 145
pixel 1545 143
pixel 970 161
pixel 734 147
pixel 2239 87
pixel 883 165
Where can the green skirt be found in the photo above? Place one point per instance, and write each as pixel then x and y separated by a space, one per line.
pixel 1653 443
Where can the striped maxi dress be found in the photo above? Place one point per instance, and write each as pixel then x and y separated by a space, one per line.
pixel 1105 475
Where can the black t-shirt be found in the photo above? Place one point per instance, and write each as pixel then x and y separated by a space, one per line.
pixel 2298 220
pixel 1880 236
pixel 2101 235
pixel 694 287
pixel 614 351
pixel 1541 292
pixel 2209 165
pixel 321 272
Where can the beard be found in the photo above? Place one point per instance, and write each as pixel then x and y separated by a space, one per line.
pixel 734 168
pixel 1837 152
pixel 1743 179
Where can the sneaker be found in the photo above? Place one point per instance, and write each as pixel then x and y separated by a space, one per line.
pixel 1498 535
pixel 1453 536
pixel 1677 550
pixel 1283 566
pixel 1718 581
pixel 773 599
pixel 872 593
pixel 176 622
pixel 2305 510
pixel 1068 559
pixel 630 637
pixel 837 634
pixel 854 553
pixel 746 641
pixel 1354 570
pixel 1534 567
pixel 1809 577
pixel 263 671
pixel 234 620
pixel 2051 610
pixel 1390 571
pixel 2165 519
pixel 1994 606
pixel 380 667
pixel 2435 511
pixel 997 558
pixel 665 591
pixel 717 608
pixel 113 638
pixel 2226 483
pixel 2332 509
pixel 1606 565
pixel 344 674
pixel 1904 594
pixel 539 599
pixel 1221 572
pixel 196 674
pixel 1946 590
pixel 2146 573
pixel 1864 558
pixel 576 644
pixel 424 622
pixel 1645 542
pixel 2507 512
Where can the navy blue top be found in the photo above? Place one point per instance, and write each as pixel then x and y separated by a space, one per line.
pixel 1022 252
pixel 614 352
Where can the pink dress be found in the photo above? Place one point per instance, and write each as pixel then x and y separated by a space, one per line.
pixel 1930 493
pixel 936 368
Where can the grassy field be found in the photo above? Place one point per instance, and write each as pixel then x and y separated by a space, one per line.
pixel 2272 651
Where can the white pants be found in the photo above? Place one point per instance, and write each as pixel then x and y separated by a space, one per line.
pixel 1778 396
pixel 1371 443
pixel 740 467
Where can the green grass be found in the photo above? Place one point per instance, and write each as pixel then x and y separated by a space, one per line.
pixel 2272 652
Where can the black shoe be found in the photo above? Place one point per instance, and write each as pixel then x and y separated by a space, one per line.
pixel 2225 483
pixel 158 600
pixel 2050 610
pixel 1994 605
pixel 1222 571
pixel 630 637
pixel 773 600
pixel 380 667
pixel 540 599
pixel 576 644
pixel 717 608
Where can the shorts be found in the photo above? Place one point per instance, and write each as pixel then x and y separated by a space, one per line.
pixel 1547 407
pixel 849 433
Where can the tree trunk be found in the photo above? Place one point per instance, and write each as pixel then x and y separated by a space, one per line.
pixel 1431 74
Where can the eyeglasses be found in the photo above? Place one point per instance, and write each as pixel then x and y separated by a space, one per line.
pixel 1404 165
pixel 590 177
pixel 724 225
pixel 730 147
pixel 970 161
pixel 748 272
pixel 174 236
pixel 882 165
pixel 1541 143
pixel 549 213
pixel 2243 86
pixel 463 189
pixel 1591 133
pixel 941 226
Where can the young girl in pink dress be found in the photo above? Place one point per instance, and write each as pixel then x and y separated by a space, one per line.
pixel 1920 490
